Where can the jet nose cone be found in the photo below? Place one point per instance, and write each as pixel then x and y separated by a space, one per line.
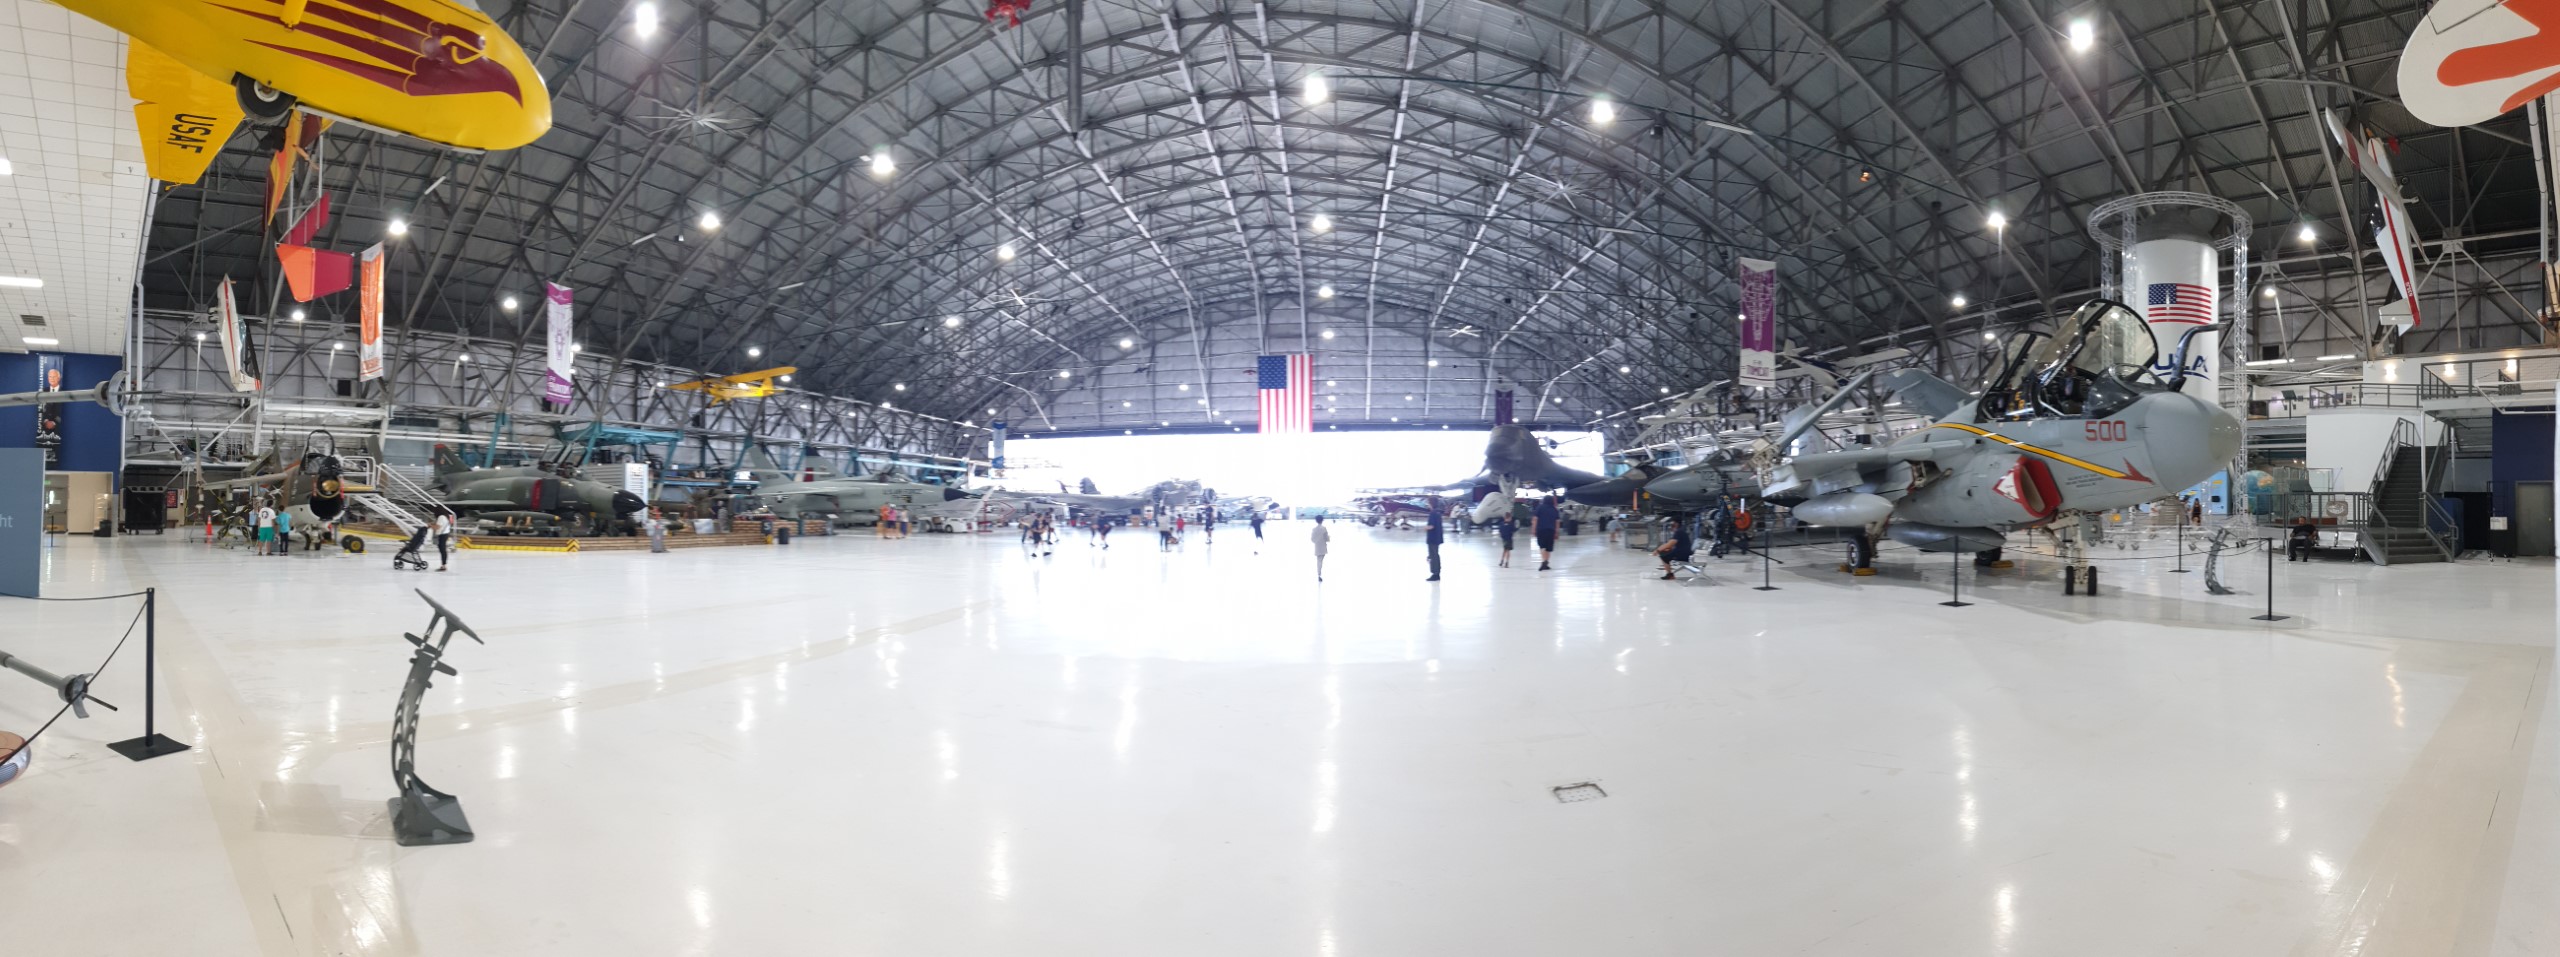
pixel 2187 440
pixel 625 503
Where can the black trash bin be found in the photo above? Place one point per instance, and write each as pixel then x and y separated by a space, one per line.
pixel 782 533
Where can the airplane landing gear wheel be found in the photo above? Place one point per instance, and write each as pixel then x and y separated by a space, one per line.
pixel 260 100
pixel 353 545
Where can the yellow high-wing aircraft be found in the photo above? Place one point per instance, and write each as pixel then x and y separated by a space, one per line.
pixel 438 70
pixel 744 385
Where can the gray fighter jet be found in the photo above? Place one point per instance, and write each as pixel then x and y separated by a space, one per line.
pixel 553 499
pixel 820 490
pixel 2070 425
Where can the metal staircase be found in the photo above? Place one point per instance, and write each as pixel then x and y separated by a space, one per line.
pixel 383 492
pixel 2407 524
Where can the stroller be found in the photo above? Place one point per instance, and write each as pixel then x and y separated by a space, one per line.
pixel 412 555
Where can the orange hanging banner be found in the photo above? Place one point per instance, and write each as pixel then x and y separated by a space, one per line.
pixel 369 309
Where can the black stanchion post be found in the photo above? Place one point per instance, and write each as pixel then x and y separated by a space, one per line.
pixel 2182 547
pixel 1955 581
pixel 152 743
pixel 2271 615
pixel 1764 555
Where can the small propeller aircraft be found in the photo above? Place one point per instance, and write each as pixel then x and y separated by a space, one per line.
pixel 744 385
pixel 438 70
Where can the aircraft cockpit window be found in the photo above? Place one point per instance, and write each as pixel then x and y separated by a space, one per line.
pixel 2100 364
pixel 2004 394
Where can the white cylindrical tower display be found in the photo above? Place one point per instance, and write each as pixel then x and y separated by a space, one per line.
pixel 2172 278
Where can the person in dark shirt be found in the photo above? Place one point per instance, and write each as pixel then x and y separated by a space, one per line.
pixel 2300 540
pixel 1548 518
pixel 1431 541
pixel 1677 550
pixel 1507 528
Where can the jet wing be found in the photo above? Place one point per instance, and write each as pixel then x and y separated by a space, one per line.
pixel 1815 464
pixel 184 116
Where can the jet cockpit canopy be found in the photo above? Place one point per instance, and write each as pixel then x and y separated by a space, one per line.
pixel 2098 362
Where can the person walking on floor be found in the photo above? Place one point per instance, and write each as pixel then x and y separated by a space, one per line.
pixel 284 531
pixel 1102 530
pixel 266 518
pixel 1507 528
pixel 444 538
pixel 1257 530
pixel 1548 519
pixel 1321 538
pixel 1431 542
pixel 657 533
pixel 1164 536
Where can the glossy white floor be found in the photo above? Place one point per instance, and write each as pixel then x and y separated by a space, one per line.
pixel 944 746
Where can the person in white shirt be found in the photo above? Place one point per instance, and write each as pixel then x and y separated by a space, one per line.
pixel 266 528
pixel 1322 538
pixel 443 531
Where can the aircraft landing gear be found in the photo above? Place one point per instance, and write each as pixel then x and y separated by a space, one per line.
pixel 2076 570
pixel 1990 558
pixel 260 100
pixel 352 544
pixel 1862 555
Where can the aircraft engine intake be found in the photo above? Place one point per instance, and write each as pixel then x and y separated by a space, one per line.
pixel 1491 509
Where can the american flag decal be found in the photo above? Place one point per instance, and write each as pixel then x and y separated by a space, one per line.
pixel 2178 302
pixel 1286 385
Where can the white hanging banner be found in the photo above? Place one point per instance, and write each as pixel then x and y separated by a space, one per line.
pixel 1759 322
pixel 555 378
pixel 369 315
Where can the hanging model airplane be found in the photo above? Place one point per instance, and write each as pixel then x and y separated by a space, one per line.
pixel 2072 425
pixel 2391 230
pixel 744 385
pixel 438 70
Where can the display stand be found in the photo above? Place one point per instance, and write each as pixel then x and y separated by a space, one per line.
pixel 152 743
pixel 2271 586
pixel 422 814
pixel 1764 558
pixel 1955 582
pixel 2182 548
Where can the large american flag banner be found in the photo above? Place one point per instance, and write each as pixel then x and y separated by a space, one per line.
pixel 2178 302
pixel 1286 385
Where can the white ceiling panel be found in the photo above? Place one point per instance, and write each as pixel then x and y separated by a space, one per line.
pixel 71 207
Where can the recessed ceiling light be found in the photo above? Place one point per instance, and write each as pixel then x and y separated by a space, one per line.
pixel 1186 387
pixel 2083 34
pixel 2307 234
pixel 710 221
pixel 950 322
pixel 1127 343
pixel 6 169
pixel 1997 220
pixel 42 341
pixel 1603 112
pixel 297 314
pixel 1066 374
pixel 1316 90
pixel 1435 363
pixel 1666 390
pixel 644 19
pixel 508 304
pixel 1959 301
pixel 786 378
pixel 882 164
pixel 577 347
pixel 22 282
pixel 1328 383
pixel 1327 333
pixel 900 386
pixel 1320 223
pixel 1324 291
pixel 397 226
pixel 335 346
pixel 1005 252
pixel 753 352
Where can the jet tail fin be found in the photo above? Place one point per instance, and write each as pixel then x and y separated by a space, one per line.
pixel 449 462
pixel 184 116
pixel 758 463
pixel 1802 419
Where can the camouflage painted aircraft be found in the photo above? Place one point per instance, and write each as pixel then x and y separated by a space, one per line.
pixel 821 490
pixel 2072 424
pixel 546 497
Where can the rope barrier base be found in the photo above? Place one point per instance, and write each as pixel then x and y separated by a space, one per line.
pixel 149 746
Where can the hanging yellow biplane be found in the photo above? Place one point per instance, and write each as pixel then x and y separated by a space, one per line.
pixel 744 385
pixel 438 70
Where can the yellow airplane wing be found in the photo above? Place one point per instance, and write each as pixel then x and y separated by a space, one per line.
pixel 184 116
pixel 764 377
pixel 744 385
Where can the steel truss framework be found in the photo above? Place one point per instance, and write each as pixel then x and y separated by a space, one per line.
pixel 1155 170
pixel 449 399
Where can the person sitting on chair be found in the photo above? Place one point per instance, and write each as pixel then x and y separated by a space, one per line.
pixel 2302 538
pixel 1675 551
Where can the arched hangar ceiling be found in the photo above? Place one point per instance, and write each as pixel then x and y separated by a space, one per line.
pixel 1156 171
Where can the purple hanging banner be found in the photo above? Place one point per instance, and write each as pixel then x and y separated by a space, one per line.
pixel 563 352
pixel 1759 322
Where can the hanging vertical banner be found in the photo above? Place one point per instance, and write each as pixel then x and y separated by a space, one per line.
pixel 49 414
pixel 1759 322
pixel 237 363
pixel 555 377
pixel 369 315
pixel 995 447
